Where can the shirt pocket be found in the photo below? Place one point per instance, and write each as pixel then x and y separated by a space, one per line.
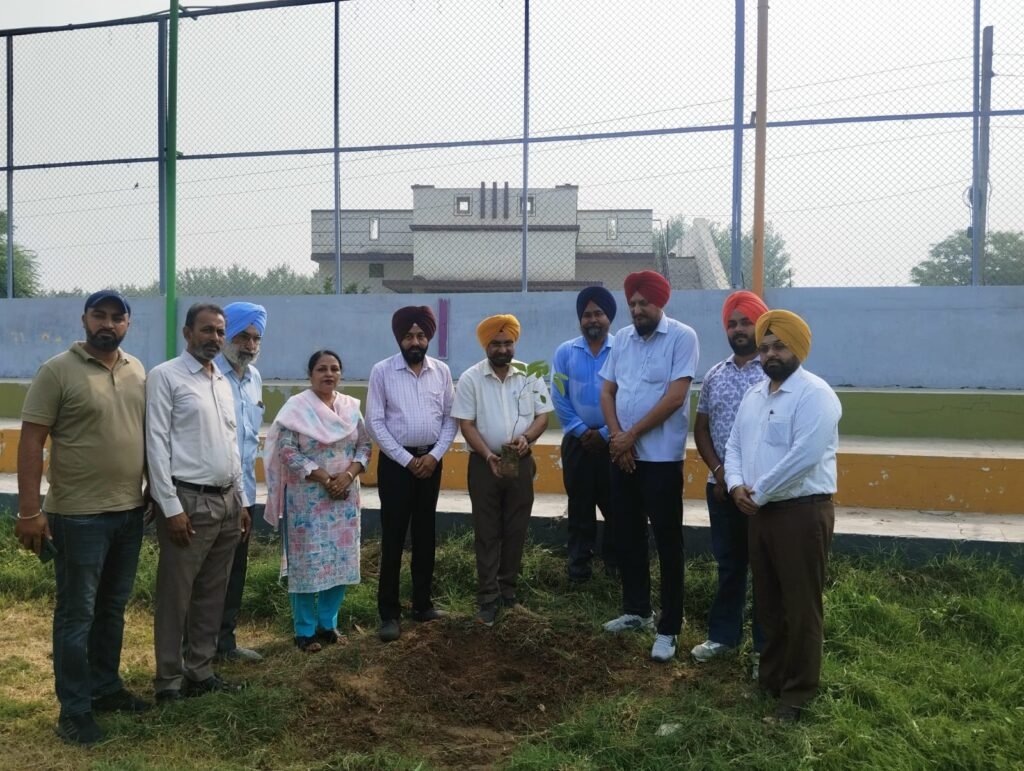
pixel 526 402
pixel 656 371
pixel 253 416
pixel 778 430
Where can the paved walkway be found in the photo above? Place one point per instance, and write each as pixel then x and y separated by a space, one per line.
pixel 886 523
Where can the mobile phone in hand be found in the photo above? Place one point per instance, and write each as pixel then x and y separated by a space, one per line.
pixel 48 552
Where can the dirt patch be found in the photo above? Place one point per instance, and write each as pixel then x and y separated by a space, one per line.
pixel 459 694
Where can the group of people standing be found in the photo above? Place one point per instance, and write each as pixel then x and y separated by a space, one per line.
pixel 180 446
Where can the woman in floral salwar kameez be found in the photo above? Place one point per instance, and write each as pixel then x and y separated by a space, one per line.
pixel 315 451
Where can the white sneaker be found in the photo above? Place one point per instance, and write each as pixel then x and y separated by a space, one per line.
pixel 755 666
pixel 629 622
pixel 708 650
pixel 664 648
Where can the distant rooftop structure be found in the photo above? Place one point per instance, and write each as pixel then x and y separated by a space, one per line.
pixel 469 240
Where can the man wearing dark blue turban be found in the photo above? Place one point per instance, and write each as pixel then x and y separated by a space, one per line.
pixel 585 459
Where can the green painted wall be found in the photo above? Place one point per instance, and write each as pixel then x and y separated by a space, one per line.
pixel 904 413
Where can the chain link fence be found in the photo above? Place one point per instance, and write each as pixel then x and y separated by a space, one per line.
pixel 630 160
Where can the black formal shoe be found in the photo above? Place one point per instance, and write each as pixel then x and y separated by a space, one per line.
pixel 430 614
pixel 487 614
pixel 509 602
pixel 784 715
pixel 169 696
pixel 212 684
pixel 330 636
pixel 79 729
pixel 122 700
pixel 390 630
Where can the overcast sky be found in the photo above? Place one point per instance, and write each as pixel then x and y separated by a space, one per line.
pixel 856 204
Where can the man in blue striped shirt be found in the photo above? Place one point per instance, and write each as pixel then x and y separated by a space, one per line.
pixel 585 459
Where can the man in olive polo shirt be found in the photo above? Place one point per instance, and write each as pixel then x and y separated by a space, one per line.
pixel 90 401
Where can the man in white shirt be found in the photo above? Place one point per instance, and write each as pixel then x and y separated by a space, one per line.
pixel 195 475
pixel 496 405
pixel 780 469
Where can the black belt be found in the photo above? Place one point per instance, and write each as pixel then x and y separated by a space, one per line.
pixel 816 498
pixel 423 449
pixel 206 489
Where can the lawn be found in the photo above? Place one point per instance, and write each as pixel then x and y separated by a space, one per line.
pixel 924 669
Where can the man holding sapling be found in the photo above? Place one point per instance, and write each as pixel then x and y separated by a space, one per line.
pixel 502 407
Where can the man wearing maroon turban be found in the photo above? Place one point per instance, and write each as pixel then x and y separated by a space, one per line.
pixel 720 397
pixel 408 414
pixel 647 380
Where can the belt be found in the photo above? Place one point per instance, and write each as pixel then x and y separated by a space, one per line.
pixel 208 489
pixel 816 498
pixel 423 449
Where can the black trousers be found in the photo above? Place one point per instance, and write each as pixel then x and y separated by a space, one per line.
pixel 233 599
pixel 406 504
pixel 585 475
pixel 653 491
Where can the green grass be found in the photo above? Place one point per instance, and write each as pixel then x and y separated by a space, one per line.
pixel 924 669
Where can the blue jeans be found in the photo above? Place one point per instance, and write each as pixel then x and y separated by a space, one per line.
pixel 729 545
pixel 97 557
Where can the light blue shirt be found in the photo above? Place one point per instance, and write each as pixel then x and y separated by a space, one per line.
pixel 580 407
pixel 643 370
pixel 248 393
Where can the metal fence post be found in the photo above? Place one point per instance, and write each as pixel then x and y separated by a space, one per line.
pixel 161 133
pixel 10 167
pixel 171 180
pixel 736 240
pixel 337 141
pixel 525 205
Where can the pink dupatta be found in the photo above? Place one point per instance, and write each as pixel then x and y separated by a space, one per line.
pixel 304 414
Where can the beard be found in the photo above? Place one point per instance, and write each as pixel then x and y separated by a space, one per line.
pixel 206 352
pixel 414 354
pixel 778 370
pixel 238 357
pixel 645 326
pixel 500 359
pixel 594 332
pixel 743 349
pixel 103 341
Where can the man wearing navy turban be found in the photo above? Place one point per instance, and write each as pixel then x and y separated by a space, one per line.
pixel 245 324
pixel 585 458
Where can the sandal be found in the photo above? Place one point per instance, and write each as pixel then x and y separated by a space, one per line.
pixel 308 644
pixel 331 636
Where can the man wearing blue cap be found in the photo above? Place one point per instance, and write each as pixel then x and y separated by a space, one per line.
pixel 245 324
pixel 90 401
pixel 585 459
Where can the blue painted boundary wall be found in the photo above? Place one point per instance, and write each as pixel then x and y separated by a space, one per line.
pixel 913 337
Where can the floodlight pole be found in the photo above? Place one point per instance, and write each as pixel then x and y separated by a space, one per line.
pixel 736 231
pixel 757 271
pixel 979 190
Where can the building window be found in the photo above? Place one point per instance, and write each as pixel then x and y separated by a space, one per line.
pixel 376 270
pixel 463 205
pixel 374 228
pixel 530 207
pixel 613 228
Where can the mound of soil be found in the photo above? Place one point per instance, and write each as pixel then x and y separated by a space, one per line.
pixel 459 694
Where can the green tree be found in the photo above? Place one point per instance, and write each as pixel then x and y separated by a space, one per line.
pixel 26 268
pixel 949 261
pixel 777 271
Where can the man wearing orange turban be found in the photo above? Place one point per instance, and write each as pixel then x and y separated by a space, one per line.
pixel 720 396
pixel 780 468
pixel 644 401
pixel 501 411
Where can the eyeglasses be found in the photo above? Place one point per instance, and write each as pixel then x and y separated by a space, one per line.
pixel 778 347
pixel 245 337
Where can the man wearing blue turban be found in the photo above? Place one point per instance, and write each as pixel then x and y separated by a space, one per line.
pixel 585 459
pixel 245 324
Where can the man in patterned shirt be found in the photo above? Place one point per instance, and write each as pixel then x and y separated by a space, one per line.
pixel 720 396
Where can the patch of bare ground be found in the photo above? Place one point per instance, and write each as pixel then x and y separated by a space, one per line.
pixel 460 695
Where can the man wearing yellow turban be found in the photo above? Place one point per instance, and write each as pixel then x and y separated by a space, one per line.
pixel 498 407
pixel 780 468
